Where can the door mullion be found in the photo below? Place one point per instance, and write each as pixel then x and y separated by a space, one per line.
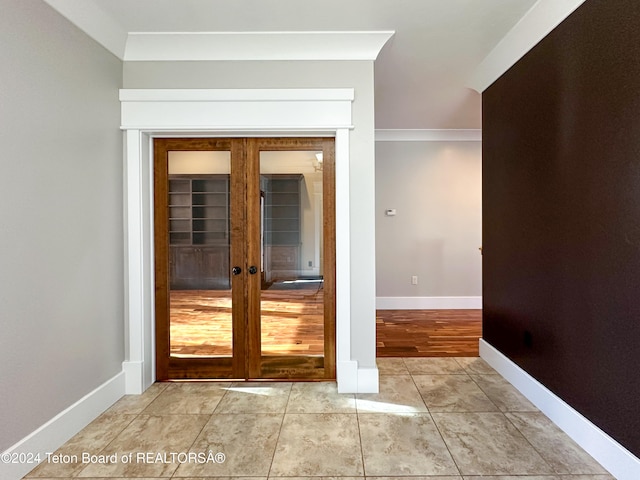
pixel 238 255
pixel 253 246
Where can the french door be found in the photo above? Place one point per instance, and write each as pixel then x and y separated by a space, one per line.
pixel 244 258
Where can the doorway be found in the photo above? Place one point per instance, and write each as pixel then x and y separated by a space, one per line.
pixel 244 239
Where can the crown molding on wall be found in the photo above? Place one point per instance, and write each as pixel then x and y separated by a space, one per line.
pixel 433 135
pixel 211 46
pixel 537 23
pixel 93 21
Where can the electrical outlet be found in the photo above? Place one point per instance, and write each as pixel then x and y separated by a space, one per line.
pixel 311 263
pixel 414 280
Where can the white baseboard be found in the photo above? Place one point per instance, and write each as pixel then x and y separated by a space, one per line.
pixel 347 376
pixel 430 135
pixel 352 379
pixel 368 380
pixel 610 454
pixel 133 377
pixel 428 303
pixel 63 426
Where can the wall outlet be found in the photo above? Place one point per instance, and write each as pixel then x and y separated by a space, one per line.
pixel 414 280
pixel 311 263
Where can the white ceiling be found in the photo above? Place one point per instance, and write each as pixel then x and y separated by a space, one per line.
pixel 421 74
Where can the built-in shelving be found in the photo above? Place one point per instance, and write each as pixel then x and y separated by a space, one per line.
pixel 199 231
pixel 282 225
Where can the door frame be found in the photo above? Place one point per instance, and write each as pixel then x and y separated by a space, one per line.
pixel 150 113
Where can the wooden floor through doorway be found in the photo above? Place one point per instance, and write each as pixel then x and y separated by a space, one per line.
pixel 428 333
pixel 293 325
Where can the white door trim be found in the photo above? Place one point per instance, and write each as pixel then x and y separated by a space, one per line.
pixel 271 112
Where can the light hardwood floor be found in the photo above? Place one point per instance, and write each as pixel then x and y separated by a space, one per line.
pixel 292 323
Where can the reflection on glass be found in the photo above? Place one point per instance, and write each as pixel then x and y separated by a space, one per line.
pixel 199 241
pixel 292 301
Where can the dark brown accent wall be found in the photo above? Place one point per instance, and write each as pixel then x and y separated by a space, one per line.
pixel 561 214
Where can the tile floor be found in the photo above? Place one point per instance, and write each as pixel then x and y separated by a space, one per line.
pixel 434 419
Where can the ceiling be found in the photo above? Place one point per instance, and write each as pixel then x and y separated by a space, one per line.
pixel 421 74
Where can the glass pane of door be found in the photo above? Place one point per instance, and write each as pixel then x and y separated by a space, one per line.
pixel 200 307
pixel 291 266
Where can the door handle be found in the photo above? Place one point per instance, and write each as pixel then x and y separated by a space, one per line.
pixel 236 270
pixel 253 270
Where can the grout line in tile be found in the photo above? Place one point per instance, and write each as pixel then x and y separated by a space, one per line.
pixel 135 417
pixel 420 393
pixel 364 466
pixel 446 445
pixel 485 393
pixel 275 448
pixel 532 445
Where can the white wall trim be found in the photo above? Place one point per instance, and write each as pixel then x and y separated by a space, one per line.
pixel 169 112
pixel 134 377
pixel 346 369
pixel 537 23
pixel 609 453
pixel 352 379
pixel 139 281
pixel 368 380
pixel 95 22
pixel 245 110
pixel 215 46
pixel 433 135
pixel 235 95
pixel 63 426
pixel 212 46
pixel 347 376
pixel 428 303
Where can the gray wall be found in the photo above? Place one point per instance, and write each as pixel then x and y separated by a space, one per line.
pixel 61 254
pixel 305 74
pixel 435 188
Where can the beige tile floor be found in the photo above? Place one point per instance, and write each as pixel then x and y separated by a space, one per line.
pixel 434 419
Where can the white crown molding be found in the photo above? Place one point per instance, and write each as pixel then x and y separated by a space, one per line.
pixel 538 22
pixel 211 46
pixel 468 135
pixel 93 21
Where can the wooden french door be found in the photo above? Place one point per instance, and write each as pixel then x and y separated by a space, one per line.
pixel 244 258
